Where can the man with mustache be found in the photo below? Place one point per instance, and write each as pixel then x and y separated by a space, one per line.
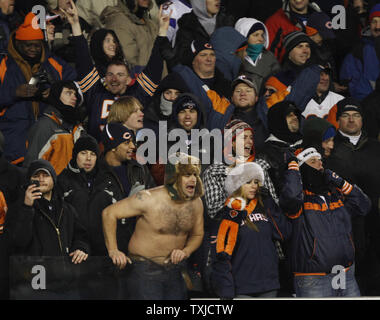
pixel 169 229
pixel 361 67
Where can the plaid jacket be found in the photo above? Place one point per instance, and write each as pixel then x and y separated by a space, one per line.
pixel 213 180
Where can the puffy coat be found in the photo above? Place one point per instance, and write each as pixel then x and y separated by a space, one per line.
pixel 18 115
pixel 321 236
pixel 52 139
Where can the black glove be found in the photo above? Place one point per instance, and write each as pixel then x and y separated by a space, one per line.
pixel 289 157
pixel 332 178
pixel 264 192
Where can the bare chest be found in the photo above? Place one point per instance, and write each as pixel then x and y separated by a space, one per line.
pixel 175 220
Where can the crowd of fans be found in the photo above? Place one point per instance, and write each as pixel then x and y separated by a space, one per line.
pixel 293 87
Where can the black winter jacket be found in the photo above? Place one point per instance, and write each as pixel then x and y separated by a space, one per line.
pixel 108 192
pixel 34 231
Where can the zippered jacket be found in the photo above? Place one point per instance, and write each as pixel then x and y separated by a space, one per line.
pixel 34 232
pixel 321 236
pixel 109 191
pixel 18 115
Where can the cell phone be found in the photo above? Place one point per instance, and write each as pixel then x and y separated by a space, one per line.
pixel 36 182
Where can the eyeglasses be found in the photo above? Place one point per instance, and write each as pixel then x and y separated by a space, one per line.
pixel 353 116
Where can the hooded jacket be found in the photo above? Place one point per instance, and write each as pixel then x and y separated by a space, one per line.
pixel 53 136
pixel 280 141
pixel 266 63
pixel 152 113
pixel 18 115
pixel 136 34
pixel 97 52
pixel 48 228
pixel 190 28
pixel 190 144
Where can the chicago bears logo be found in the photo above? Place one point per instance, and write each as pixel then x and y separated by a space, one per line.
pixel 126 136
pixel 233 213
pixel 208 46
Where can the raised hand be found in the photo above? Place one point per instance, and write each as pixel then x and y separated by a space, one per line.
pixel 164 20
pixel 71 13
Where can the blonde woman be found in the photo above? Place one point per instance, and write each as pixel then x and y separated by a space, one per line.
pixel 246 262
pixel 128 111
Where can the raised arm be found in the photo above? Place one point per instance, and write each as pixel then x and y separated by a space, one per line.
pixel 127 208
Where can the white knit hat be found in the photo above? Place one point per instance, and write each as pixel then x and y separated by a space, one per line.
pixel 307 154
pixel 242 174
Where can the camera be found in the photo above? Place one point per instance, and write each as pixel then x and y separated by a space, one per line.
pixel 41 78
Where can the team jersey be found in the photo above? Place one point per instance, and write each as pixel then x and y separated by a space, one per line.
pixel 98 99
pixel 321 110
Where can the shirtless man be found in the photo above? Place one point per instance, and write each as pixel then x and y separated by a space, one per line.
pixel 168 230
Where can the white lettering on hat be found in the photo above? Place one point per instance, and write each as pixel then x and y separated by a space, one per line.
pixel 308 154
pixel 189 105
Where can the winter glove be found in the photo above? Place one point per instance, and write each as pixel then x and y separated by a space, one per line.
pixel 340 183
pixel 332 178
pixel 290 161
pixel 264 192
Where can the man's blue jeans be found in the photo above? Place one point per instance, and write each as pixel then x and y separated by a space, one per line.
pixel 147 280
pixel 318 286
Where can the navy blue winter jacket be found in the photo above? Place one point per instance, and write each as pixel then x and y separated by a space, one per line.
pixel 321 233
pixel 247 260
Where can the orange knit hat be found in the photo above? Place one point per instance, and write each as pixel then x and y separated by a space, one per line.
pixel 26 30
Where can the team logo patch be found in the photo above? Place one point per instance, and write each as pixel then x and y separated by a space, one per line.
pixel 189 105
pixel 328 25
pixel 233 213
pixel 208 46
pixel 127 136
